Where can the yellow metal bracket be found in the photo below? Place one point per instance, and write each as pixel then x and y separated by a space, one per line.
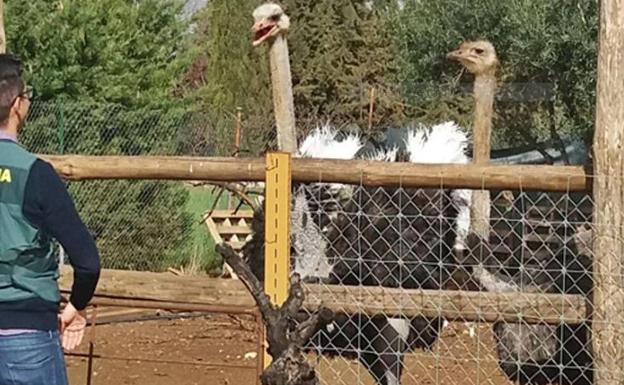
pixel 277 229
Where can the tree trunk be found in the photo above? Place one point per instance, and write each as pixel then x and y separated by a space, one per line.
pixel 608 334
pixel 286 338
pixel 2 33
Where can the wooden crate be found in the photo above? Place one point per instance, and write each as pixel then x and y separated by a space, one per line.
pixel 231 227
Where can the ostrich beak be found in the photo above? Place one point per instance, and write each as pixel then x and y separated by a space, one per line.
pixel 465 57
pixel 263 30
pixel 455 55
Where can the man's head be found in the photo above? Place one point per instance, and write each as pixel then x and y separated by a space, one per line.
pixel 14 95
pixel 269 21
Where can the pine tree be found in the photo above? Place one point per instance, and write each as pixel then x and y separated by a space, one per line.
pixel 98 50
pixel 340 49
pixel 236 76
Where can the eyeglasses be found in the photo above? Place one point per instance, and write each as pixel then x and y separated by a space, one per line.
pixel 27 93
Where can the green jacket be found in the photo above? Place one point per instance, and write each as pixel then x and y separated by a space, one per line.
pixel 28 264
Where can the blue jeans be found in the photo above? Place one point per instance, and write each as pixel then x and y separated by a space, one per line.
pixel 32 359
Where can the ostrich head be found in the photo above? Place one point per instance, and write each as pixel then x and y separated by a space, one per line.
pixel 479 57
pixel 269 21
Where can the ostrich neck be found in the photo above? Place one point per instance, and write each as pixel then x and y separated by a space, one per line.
pixel 283 103
pixel 484 89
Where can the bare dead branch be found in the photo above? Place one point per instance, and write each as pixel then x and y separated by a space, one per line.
pixel 286 338
pixel 233 188
pixel 251 282
pixel 307 328
pixel 294 302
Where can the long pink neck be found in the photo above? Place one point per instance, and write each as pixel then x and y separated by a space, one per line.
pixel 484 90
pixel 283 101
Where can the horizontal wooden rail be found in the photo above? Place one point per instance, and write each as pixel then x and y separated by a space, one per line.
pixel 368 173
pixel 528 308
pixel 164 290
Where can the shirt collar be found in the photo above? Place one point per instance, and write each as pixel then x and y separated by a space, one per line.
pixel 5 135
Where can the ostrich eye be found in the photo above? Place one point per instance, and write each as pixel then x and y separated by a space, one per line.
pixel 275 17
pixel 479 51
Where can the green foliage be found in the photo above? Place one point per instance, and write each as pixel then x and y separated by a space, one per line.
pixel 540 44
pixel 340 49
pixel 91 57
pixel 235 75
pixel 199 253
pixel 138 225
pixel 142 225
pixel 100 50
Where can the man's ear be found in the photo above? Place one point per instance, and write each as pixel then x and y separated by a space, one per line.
pixel 16 109
pixel 16 106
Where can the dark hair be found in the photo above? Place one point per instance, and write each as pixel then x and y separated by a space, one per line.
pixel 11 83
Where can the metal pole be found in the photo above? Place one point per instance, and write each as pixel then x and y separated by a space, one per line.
pixel 91 346
pixel 61 128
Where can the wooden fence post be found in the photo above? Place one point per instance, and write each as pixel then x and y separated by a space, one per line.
pixel 3 45
pixel 277 230
pixel 608 246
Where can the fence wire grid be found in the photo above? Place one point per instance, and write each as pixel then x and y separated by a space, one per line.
pixel 356 236
pixel 414 238
pixel 138 225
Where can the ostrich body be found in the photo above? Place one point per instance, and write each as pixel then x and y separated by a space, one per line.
pixel 375 236
pixel 406 236
pixel 528 354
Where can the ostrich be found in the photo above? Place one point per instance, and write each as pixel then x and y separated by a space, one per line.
pixel 271 23
pixel 373 236
pixel 528 354
pixel 406 237
pixel 480 59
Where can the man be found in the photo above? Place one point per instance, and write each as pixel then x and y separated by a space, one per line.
pixel 34 208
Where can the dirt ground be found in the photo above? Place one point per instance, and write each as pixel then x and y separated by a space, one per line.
pixel 196 347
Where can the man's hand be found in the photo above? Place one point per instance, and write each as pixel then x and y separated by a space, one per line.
pixel 72 326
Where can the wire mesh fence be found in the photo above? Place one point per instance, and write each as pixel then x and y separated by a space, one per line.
pixel 361 237
pixel 138 225
pixel 366 237
pixel 148 225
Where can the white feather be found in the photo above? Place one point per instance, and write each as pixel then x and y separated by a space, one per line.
pixel 443 143
pixel 401 326
pixel 322 144
pixel 384 155
pixel 461 200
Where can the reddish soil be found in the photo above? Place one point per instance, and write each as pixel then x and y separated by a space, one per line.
pixel 197 346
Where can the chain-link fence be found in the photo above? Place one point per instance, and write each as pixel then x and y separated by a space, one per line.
pixel 153 225
pixel 411 238
pixel 363 238
pixel 138 225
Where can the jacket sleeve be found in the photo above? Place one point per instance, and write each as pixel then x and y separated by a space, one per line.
pixel 50 208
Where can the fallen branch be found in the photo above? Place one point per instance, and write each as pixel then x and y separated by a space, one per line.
pixel 231 187
pixel 286 338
